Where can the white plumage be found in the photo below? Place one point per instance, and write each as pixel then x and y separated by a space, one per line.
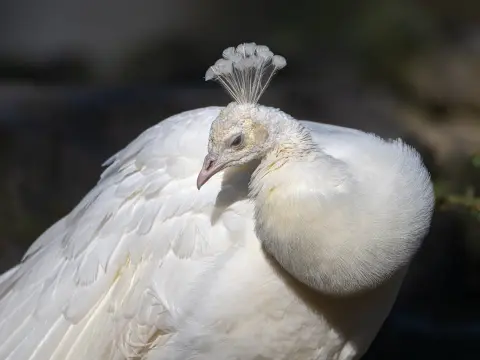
pixel 148 267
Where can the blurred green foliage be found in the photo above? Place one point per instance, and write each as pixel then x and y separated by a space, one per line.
pixel 467 201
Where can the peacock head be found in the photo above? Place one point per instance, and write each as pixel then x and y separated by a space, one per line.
pixel 242 132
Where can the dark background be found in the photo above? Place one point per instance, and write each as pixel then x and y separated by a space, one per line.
pixel 79 79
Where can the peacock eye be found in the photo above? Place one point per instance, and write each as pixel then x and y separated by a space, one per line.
pixel 237 141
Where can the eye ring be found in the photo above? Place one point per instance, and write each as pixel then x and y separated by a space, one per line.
pixel 237 141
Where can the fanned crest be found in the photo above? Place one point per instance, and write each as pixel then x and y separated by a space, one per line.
pixel 246 71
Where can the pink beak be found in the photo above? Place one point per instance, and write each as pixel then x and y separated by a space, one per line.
pixel 209 169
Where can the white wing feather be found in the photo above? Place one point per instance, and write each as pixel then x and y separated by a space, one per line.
pixel 110 276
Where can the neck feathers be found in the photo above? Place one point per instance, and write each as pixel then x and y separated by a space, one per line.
pixel 293 143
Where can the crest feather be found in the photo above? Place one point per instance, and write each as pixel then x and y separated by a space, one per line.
pixel 246 71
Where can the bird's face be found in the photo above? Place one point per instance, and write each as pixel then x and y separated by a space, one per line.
pixel 237 136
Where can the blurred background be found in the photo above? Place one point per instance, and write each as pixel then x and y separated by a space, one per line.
pixel 79 79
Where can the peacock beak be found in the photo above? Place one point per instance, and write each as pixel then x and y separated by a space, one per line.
pixel 210 167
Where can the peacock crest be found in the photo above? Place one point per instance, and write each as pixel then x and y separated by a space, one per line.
pixel 246 71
